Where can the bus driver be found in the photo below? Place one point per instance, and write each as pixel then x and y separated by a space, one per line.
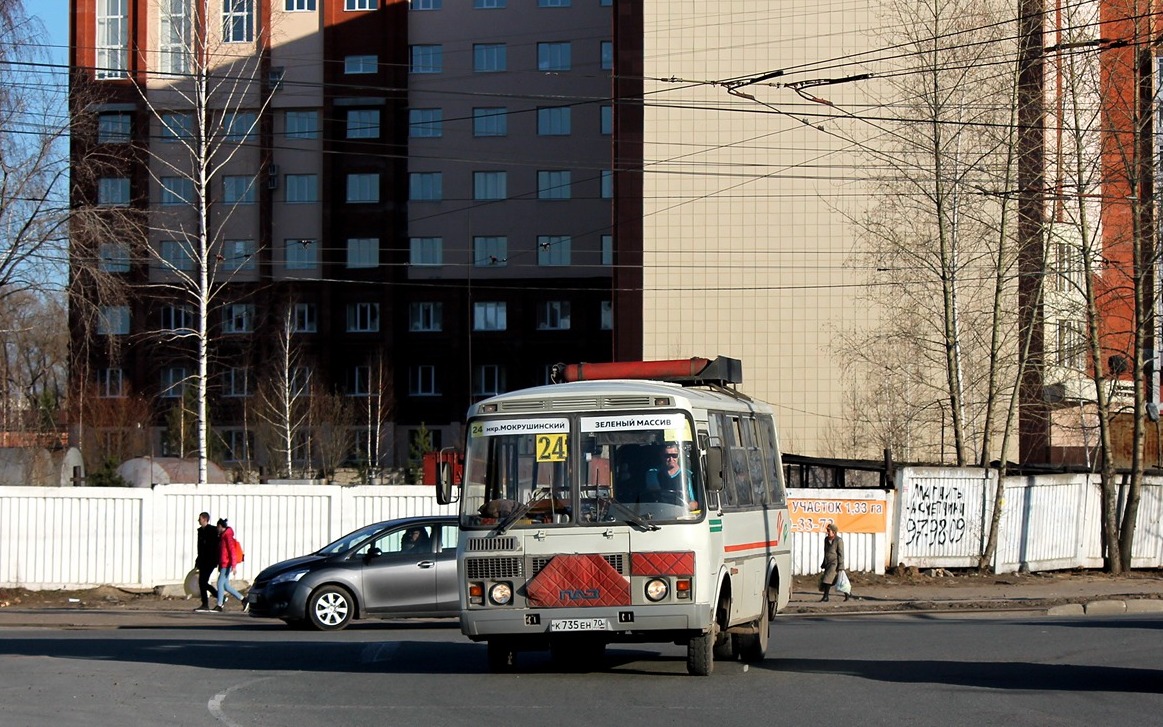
pixel 669 476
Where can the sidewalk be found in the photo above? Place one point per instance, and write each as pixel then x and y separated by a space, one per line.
pixel 1056 593
pixel 1061 593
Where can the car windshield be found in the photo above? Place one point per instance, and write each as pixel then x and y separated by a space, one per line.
pixel 351 540
pixel 638 469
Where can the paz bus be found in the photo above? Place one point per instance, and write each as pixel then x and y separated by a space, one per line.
pixel 630 502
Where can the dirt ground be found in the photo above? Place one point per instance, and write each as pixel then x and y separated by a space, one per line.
pixel 902 585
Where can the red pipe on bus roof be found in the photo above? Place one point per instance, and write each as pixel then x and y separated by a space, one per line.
pixel 661 370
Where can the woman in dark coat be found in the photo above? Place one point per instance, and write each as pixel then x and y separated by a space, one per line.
pixel 833 560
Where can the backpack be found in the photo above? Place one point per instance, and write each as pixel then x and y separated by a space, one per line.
pixel 239 556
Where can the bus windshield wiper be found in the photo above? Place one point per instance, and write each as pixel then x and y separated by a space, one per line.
pixel 632 517
pixel 520 510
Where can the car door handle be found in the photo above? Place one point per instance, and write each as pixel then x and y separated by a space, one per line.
pixel 425 564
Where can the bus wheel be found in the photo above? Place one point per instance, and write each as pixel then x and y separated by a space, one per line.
pixel 725 647
pixel 700 653
pixel 502 657
pixel 753 647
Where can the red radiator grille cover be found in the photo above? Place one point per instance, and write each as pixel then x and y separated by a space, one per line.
pixel 662 564
pixel 578 580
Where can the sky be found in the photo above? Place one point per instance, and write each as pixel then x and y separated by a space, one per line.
pixel 55 16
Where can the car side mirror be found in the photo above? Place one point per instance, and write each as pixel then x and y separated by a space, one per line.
pixel 374 553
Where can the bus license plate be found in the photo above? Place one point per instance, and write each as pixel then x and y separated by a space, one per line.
pixel 579 624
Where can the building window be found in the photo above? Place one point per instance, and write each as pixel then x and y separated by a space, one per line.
pixel 239 444
pixel 237 21
pixel 239 255
pixel 553 56
pixel 236 381
pixel 422 380
pixel 177 318
pixel 302 188
pixel 360 4
pixel 113 191
pixel 301 124
pixel 490 121
pixel 490 185
pixel 488 379
pixel 607 249
pixel 426 4
pixel 239 125
pixel 306 319
pixel 426 123
pixel 490 252
pixel 177 191
pixel 299 6
pixel 238 318
pixel 176 255
pixel 553 121
pixel 173 381
pixel 1071 345
pixel 426 317
pixel 553 250
pixel 112 38
pixel 238 190
pixel 113 320
pixel 553 3
pixel 553 315
pixel 607 55
pixel 114 257
pixel 363 188
pixel 606 317
pixel 607 184
pixel 356 65
pixel 488 4
pixel 488 316
pixel 300 254
pixel 427 58
pixel 174 41
pixel 363 124
pixel 489 57
pixel 426 251
pixel 607 119
pixel 177 127
pixel 363 252
pixel 426 186
pixel 114 128
pixel 110 383
pixel 363 317
pixel 553 184
pixel 300 381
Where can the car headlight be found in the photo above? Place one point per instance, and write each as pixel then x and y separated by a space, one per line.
pixel 289 577
pixel 656 589
pixel 501 593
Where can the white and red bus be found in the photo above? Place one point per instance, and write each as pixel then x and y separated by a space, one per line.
pixel 634 502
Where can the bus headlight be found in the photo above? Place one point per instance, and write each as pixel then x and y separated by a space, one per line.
pixel 501 594
pixel 656 589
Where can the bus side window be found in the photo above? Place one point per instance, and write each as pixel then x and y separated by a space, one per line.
pixel 720 428
pixel 740 475
pixel 777 494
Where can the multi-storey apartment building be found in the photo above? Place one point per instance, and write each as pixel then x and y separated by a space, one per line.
pixel 416 196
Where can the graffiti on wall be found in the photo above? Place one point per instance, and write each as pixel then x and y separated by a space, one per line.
pixel 936 515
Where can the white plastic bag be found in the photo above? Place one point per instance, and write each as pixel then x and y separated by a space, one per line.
pixel 843 585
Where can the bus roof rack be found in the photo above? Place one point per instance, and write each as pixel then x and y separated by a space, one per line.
pixel 719 371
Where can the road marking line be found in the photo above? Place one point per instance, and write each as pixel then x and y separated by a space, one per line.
pixel 215 704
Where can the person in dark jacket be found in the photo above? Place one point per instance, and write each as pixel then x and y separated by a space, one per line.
pixel 207 560
pixel 226 564
pixel 833 560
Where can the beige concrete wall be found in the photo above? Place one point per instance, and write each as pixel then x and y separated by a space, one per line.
pixel 745 234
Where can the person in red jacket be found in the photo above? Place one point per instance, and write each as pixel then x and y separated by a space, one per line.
pixel 226 564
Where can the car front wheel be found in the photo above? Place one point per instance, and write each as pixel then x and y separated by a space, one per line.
pixel 330 608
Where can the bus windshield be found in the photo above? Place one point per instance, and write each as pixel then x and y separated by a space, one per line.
pixel 636 468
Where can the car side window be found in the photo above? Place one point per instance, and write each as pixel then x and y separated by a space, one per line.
pixel 449 536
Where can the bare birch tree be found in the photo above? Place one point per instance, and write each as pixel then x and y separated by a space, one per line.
pixel 284 401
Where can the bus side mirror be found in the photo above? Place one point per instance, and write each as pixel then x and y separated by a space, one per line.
pixel 444 483
pixel 714 469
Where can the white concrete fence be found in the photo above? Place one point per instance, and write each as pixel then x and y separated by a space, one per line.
pixel 937 517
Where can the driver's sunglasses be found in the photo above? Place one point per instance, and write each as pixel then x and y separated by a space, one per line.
pixel 672 455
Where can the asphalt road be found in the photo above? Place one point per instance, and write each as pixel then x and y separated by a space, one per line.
pixel 854 670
